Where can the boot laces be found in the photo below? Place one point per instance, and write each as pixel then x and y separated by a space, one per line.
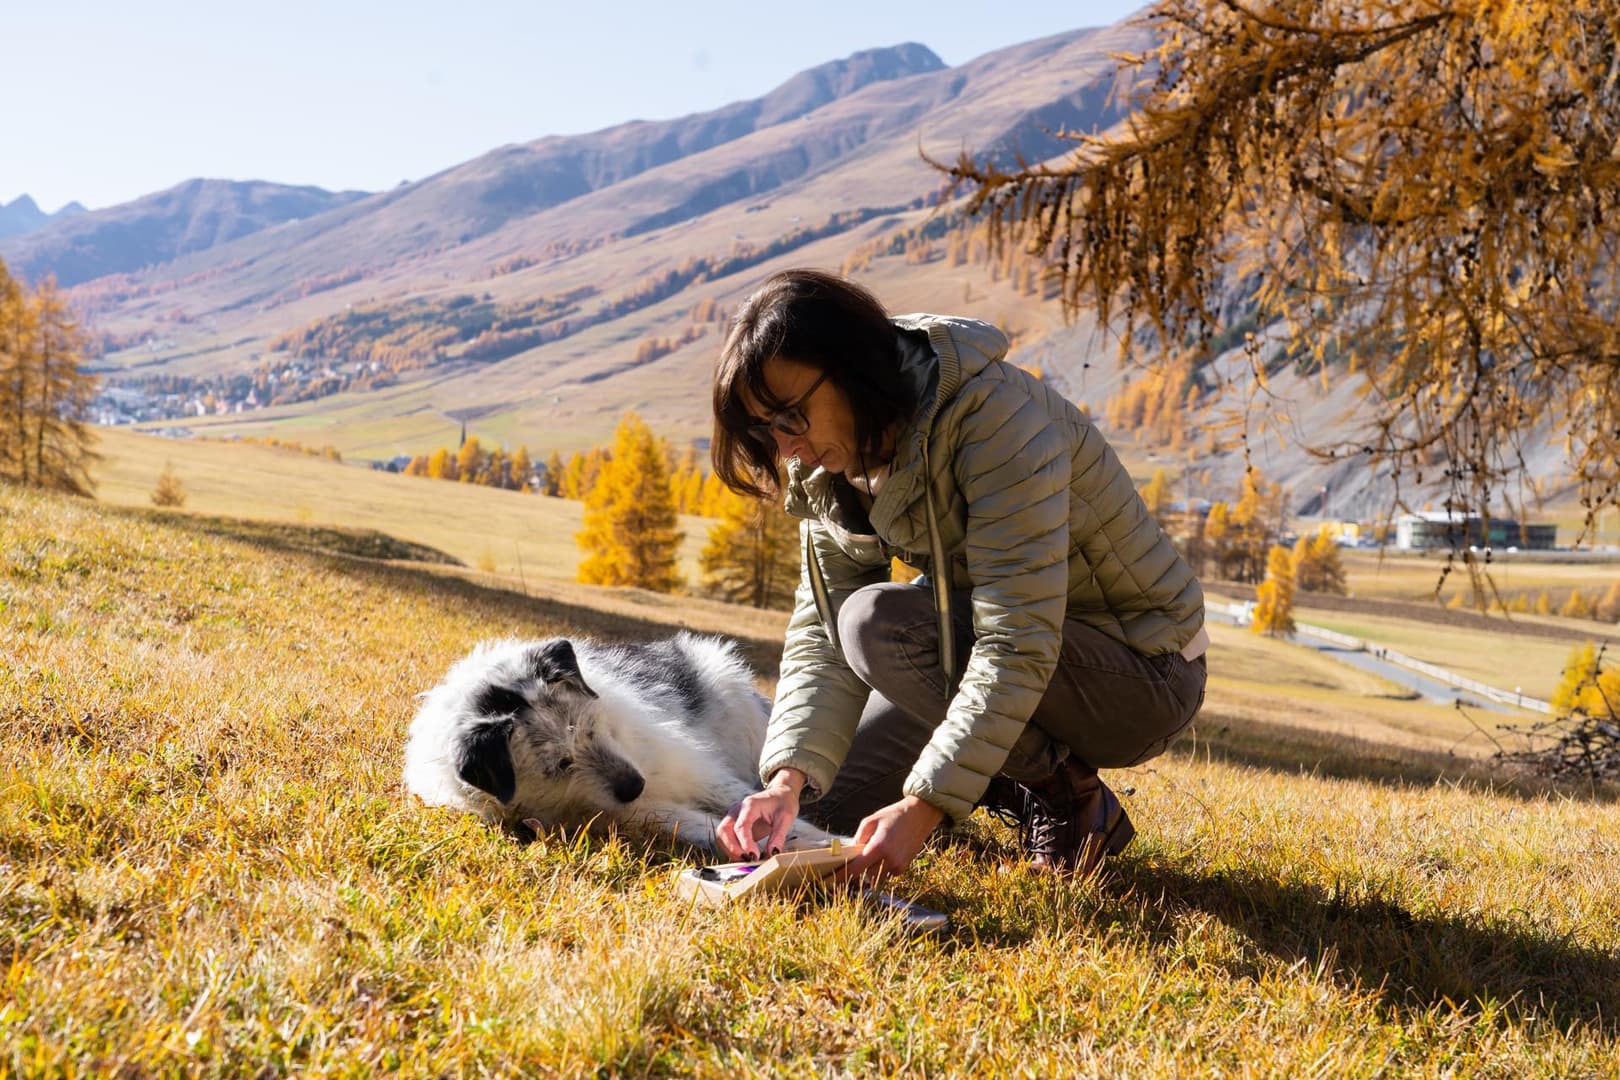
pixel 1046 829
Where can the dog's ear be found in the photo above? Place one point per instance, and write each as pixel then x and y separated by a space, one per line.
pixel 554 664
pixel 484 760
pixel 497 700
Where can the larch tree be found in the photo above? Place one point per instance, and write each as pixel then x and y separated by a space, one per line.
pixel 170 491
pixel 45 396
pixel 1274 597
pixel 711 496
pixel 470 460
pixel 1318 566
pixel 630 535
pixel 1608 608
pixel 573 476
pixel 752 556
pixel 492 472
pixel 1423 193
pixel 518 469
pixel 440 465
pixel 596 459
pixel 18 330
pixel 1585 687
pixel 554 475
pixel 1577 606
pixel 1251 525
pixel 1156 493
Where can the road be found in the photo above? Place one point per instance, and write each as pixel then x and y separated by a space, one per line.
pixel 1431 689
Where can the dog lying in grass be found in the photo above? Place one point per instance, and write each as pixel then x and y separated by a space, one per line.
pixel 662 737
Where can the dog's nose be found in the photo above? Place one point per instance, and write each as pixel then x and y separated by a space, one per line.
pixel 629 788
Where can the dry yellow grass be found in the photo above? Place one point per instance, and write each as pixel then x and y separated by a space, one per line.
pixel 502 531
pixel 1394 575
pixel 210 868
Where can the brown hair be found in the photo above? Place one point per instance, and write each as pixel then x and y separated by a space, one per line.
pixel 813 318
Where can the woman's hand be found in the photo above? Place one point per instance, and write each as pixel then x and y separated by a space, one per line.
pixel 892 837
pixel 764 815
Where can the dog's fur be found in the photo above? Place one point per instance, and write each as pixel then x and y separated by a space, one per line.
pixel 658 737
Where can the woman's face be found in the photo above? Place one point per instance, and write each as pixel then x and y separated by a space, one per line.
pixel 815 408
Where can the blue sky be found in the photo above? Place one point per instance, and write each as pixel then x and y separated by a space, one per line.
pixel 111 100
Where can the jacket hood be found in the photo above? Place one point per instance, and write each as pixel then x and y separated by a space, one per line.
pixel 961 348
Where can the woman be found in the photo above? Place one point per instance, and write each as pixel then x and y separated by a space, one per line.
pixel 1056 631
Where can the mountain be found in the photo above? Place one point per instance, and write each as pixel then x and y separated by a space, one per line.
pixel 551 285
pixel 533 294
pixel 635 178
pixel 23 215
pixel 194 216
pixel 20 216
pixel 453 206
pixel 519 180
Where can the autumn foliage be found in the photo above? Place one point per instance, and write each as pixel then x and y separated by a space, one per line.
pixel 752 556
pixel 170 491
pixel 45 438
pixel 1419 192
pixel 1318 567
pixel 630 535
pixel 1586 688
pixel 1274 598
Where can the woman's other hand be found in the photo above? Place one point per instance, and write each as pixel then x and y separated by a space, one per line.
pixel 892 837
pixel 765 815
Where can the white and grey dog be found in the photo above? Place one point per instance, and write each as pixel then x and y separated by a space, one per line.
pixel 662 737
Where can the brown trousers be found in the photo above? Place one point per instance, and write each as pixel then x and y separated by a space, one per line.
pixel 1107 705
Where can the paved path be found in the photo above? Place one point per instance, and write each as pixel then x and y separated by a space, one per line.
pixel 1431 689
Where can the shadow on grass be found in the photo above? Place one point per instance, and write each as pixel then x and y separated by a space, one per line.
pixel 1417 961
pixel 285 536
pixel 1290 750
pixel 384 561
pixel 557 616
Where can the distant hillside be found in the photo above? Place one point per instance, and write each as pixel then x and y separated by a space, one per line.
pixel 838 138
pixel 518 180
pixel 23 215
pixel 194 216
pixel 453 206
pixel 539 290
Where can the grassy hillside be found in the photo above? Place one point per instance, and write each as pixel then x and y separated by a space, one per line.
pixel 1397 575
pixel 500 531
pixel 210 868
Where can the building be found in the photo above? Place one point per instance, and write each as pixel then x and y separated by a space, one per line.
pixel 1450 529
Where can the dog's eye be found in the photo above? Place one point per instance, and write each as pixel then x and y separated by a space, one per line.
pixel 564 764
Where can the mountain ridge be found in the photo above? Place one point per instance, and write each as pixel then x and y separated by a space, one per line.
pixel 485 192
pixel 194 215
pixel 22 215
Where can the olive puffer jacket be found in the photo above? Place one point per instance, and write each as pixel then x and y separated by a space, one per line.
pixel 998 485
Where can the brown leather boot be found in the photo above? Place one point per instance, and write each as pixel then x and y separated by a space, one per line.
pixel 1072 821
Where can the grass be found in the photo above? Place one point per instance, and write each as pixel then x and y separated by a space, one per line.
pixel 1411 576
pixel 1502 660
pixel 210 868
pixel 503 532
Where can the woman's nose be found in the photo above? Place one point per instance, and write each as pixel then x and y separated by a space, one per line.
pixel 786 445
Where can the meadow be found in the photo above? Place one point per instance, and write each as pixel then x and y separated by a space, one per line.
pixel 1396 575
pixel 525 536
pixel 211 868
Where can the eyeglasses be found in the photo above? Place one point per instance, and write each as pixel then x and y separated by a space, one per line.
pixel 788 420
